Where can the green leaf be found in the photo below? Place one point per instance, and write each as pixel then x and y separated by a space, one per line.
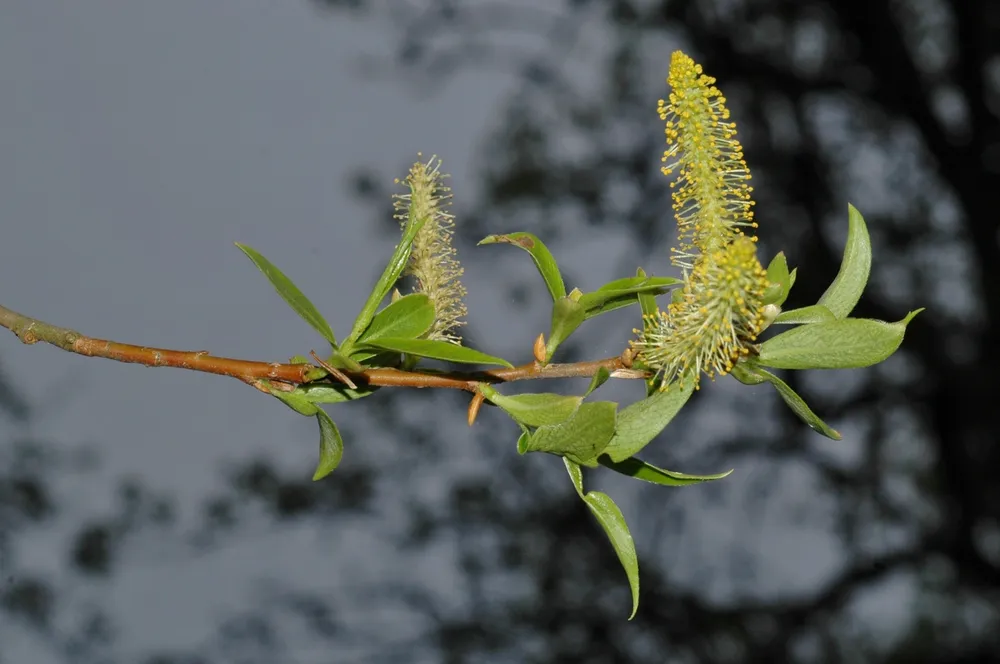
pixel 406 318
pixel 575 476
pixel 290 293
pixel 567 314
pixel 746 374
pixel 841 344
pixel 639 284
pixel 797 404
pixel 543 258
pixel 640 470
pixel 394 268
pixel 601 376
pixel 642 421
pixel 621 293
pixel 533 410
pixel 331 446
pixel 846 289
pixel 817 313
pixel 437 350
pixel 613 522
pixel 296 402
pixel 332 393
pixel 780 282
pixel 580 438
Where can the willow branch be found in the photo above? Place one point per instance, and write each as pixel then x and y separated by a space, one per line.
pixel 30 331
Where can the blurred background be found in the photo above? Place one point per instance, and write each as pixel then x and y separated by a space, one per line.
pixel 167 517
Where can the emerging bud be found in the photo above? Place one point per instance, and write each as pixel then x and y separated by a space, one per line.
pixel 432 260
pixel 712 196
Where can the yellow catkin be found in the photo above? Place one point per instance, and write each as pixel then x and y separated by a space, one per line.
pixel 711 195
pixel 719 313
pixel 720 309
pixel 433 263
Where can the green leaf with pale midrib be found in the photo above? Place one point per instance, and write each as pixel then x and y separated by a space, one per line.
pixel 845 291
pixel 640 422
pixel 393 269
pixel 534 409
pixel 540 254
pixel 797 404
pixel 290 293
pixel 640 470
pixel 816 313
pixel 613 522
pixel 840 344
pixel 407 318
pixel 580 438
pixel 567 315
pixel 331 446
pixel 779 279
pixel 436 350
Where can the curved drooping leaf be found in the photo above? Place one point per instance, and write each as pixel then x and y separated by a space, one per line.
pixel 406 318
pixel 567 314
pixel 580 438
pixel 840 344
pixel 642 421
pixel 640 470
pixel 796 403
pixel 816 313
pixel 331 446
pixel 437 350
pixel 612 521
pixel 543 258
pixel 846 289
pixel 533 410
pixel 290 293
pixel 393 269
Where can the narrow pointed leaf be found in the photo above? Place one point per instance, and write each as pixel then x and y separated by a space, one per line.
pixel 436 350
pixel 580 438
pixel 846 289
pixel 638 284
pixel 797 404
pixel 331 446
pixel 406 318
pixel 817 313
pixel 601 376
pixel 641 422
pixel 291 294
pixel 543 258
pixel 393 269
pixel 841 344
pixel 640 470
pixel 612 521
pixel 567 314
pixel 621 293
pixel 534 410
